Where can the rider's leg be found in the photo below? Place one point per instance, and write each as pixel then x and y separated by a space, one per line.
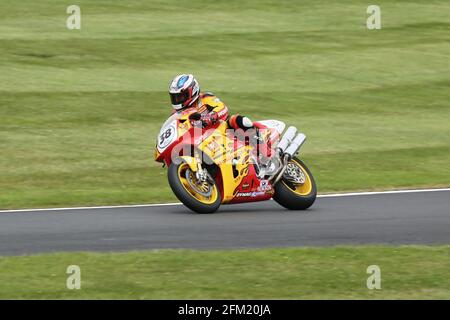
pixel 257 132
pixel 240 122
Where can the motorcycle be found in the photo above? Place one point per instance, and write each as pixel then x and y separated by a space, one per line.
pixel 214 166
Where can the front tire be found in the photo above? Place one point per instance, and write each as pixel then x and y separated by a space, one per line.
pixel 296 196
pixel 200 197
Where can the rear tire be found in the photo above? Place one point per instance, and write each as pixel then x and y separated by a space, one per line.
pixel 187 195
pixel 296 196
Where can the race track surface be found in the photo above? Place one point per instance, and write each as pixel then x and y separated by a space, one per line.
pixel 406 218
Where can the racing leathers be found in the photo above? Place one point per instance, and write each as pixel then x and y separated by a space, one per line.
pixel 210 110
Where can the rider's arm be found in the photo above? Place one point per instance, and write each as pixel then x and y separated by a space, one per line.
pixel 209 118
pixel 206 119
pixel 214 112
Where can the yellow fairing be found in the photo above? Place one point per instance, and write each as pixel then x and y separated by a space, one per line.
pixel 191 162
pixel 155 154
pixel 220 150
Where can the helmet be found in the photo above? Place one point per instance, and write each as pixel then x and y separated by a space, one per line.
pixel 184 91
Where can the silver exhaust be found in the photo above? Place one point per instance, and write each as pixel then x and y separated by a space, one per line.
pixel 295 144
pixel 287 138
pixel 288 146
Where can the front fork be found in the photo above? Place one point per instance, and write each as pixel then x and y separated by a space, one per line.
pixel 284 162
pixel 201 174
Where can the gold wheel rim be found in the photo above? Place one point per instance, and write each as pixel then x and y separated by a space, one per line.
pixel 302 189
pixel 204 186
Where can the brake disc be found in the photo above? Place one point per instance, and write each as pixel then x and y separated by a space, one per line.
pixel 201 187
pixel 294 174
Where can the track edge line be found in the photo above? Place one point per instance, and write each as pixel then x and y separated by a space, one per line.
pixel 331 195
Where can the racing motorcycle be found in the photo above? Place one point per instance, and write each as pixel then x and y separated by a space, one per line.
pixel 207 168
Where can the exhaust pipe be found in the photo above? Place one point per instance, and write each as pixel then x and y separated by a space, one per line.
pixel 296 144
pixel 287 138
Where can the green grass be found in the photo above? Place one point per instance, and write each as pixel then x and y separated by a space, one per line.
pixel 407 272
pixel 79 110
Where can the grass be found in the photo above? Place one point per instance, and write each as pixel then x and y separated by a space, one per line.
pixel 407 272
pixel 80 109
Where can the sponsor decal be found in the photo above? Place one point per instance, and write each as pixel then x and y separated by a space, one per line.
pixel 213 146
pixel 244 194
pixel 245 185
pixel 264 185
pixel 257 194
pixel 250 194
pixel 222 112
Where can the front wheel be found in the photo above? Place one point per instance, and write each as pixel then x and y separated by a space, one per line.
pixel 200 197
pixel 297 189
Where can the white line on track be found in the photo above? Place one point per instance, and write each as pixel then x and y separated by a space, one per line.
pixel 368 193
pixel 350 194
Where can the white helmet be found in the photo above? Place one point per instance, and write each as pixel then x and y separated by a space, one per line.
pixel 184 91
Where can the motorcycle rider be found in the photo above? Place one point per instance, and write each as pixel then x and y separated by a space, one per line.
pixel 185 93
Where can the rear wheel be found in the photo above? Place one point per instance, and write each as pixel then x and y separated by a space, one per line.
pixel 297 189
pixel 199 196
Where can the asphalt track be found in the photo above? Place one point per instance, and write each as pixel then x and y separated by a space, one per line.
pixel 398 218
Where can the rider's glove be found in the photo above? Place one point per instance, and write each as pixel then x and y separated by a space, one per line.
pixel 209 118
pixel 195 119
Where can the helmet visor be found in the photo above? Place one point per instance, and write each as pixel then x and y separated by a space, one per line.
pixel 179 98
